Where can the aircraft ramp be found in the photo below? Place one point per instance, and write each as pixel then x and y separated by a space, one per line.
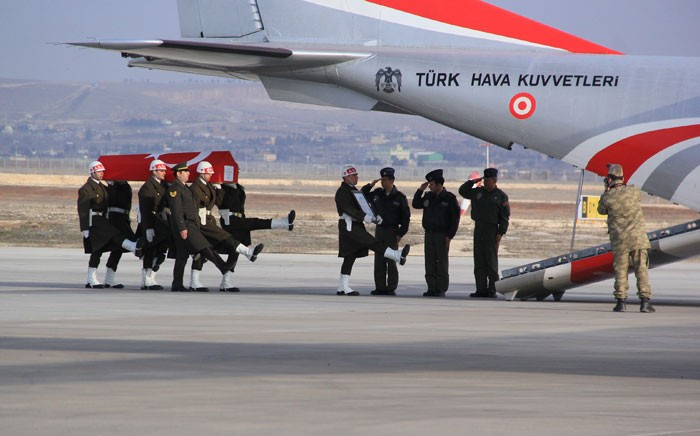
pixel 555 275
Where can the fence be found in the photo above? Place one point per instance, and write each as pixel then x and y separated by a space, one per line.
pixel 301 170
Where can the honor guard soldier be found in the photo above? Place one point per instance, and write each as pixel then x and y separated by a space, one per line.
pixel 392 205
pixel 153 224
pixel 440 221
pixel 99 235
pixel 206 196
pixel 629 241
pixel 354 241
pixel 184 228
pixel 233 219
pixel 491 215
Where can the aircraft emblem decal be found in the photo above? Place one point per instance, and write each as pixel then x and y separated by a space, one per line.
pixel 384 80
pixel 522 105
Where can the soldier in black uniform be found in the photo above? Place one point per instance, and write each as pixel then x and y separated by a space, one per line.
pixel 354 240
pixel 206 197
pixel 392 205
pixel 184 228
pixel 99 235
pixel 154 225
pixel 440 221
pixel 231 204
pixel 490 212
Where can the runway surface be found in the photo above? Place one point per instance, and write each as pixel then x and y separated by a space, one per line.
pixel 287 356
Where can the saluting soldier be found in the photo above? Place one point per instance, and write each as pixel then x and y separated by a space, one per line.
pixel 491 215
pixel 440 221
pixel 353 239
pixel 392 205
pixel 630 244
pixel 231 204
pixel 154 225
pixel 206 196
pixel 99 235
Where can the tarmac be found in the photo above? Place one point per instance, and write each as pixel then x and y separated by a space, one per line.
pixel 287 356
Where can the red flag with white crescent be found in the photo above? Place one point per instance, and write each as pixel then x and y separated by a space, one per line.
pixel 134 167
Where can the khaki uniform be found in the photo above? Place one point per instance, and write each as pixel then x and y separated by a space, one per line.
pixel 628 239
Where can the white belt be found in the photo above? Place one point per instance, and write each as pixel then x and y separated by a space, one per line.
pixel 348 221
pixel 92 214
pixel 118 210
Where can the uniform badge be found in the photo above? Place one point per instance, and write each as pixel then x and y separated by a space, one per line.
pixel 426 203
pixel 173 194
pixel 479 195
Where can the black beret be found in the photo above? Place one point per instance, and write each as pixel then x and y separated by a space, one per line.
pixel 387 172
pixel 182 166
pixel 490 172
pixel 434 175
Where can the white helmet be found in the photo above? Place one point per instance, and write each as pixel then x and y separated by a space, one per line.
pixel 205 167
pixel 157 164
pixel 96 166
pixel 348 170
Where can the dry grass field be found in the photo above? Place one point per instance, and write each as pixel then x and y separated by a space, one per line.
pixel 41 211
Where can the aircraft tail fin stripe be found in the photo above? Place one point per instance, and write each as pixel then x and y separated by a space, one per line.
pixel 484 17
pixel 644 146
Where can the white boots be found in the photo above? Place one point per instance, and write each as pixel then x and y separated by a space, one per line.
pixel 227 283
pixel 91 280
pixel 250 252
pixel 133 246
pixel 148 280
pixel 195 284
pixel 344 286
pixel 111 279
pixel 284 223
pixel 398 256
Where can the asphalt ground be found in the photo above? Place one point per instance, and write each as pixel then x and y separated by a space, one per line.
pixel 288 356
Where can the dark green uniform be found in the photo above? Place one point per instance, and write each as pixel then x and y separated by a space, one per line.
pixel 491 214
pixel 183 216
pixel 152 204
pixel 232 199
pixel 396 215
pixel 206 197
pixel 357 241
pixel 440 221
pixel 93 202
pixel 119 199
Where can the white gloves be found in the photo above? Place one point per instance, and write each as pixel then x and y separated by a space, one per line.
pixel 86 234
pixel 217 185
pixel 150 234
pixel 368 219
pixel 378 220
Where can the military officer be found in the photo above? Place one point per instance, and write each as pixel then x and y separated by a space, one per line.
pixel 440 222
pixel 353 239
pixel 490 211
pixel 206 196
pixel 99 235
pixel 392 205
pixel 629 241
pixel 154 225
pixel 231 204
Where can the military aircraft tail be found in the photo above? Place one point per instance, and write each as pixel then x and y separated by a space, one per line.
pixel 394 23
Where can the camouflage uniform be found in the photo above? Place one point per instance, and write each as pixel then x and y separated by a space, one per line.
pixel 627 236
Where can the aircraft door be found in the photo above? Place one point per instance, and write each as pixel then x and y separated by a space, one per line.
pixel 218 18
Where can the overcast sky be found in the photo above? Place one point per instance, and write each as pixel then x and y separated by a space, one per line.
pixel 657 27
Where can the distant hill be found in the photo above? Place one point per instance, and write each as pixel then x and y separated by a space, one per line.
pixel 87 119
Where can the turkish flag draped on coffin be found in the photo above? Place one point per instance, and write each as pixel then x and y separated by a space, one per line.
pixel 134 167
